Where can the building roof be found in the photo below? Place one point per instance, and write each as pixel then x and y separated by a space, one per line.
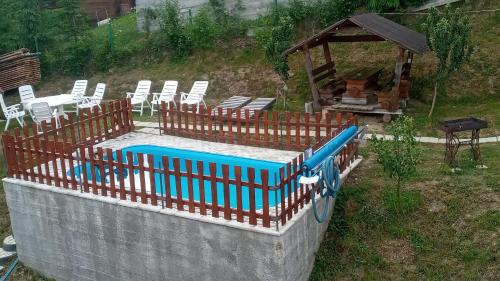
pixel 382 29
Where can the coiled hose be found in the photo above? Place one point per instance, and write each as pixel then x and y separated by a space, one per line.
pixel 328 184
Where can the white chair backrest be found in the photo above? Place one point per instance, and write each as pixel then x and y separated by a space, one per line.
pixel 199 88
pixel 41 112
pixel 99 91
pixel 2 103
pixel 142 90
pixel 79 88
pixel 169 90
pixel 26 93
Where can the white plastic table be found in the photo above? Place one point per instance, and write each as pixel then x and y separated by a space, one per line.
pixel 57 101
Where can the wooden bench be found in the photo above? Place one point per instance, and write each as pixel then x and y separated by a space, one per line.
pixel 329 85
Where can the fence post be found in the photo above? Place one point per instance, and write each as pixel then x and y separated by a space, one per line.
pixel 266 221
pixel 201 187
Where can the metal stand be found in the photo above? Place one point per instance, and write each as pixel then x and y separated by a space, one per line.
pixel 453 144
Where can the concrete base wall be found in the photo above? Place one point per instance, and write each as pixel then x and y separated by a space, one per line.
pixel 68 235
pixel 251 8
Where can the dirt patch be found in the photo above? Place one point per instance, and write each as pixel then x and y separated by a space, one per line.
pixel 436 207
pixel 245 80
pixel 427 188
pixel 397 251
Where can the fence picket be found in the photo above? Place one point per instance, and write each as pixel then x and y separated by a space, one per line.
pixel 121 173
pixel 92 168
pixel 178 187
pixel 112 187
pixel 213 189
pixel 189 170
pixel 166 178
pixel 46 160
pixel 38 155
pixel 239 199
pixel 227 192
pixel 69 152
pixel 201 187
pixel 282 195
pixel 102 174
pixel 152 183
pixel 142 178
pixel 295 187
pixel 266 220
pixel 83 169
pixel 251 195
pixel 61 149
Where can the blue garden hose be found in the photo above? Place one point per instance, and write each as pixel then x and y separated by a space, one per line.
pixel 329 177
pixel 10 270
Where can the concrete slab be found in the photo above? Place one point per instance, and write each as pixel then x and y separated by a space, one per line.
pixel 428 140
pixel 488 140
pixel 141 138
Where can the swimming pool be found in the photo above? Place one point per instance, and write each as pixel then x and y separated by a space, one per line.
pixel 232 161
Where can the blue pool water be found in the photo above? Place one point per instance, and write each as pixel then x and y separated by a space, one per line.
pixel 232 161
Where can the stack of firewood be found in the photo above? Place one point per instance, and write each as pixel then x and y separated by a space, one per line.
pixel 19 68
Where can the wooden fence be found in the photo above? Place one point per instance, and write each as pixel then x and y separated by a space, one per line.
pixel 257 197
pixel 287 130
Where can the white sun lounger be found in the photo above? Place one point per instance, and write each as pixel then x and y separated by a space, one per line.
pixel 232 103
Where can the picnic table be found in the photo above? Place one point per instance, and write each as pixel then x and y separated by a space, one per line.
pixel 57 101
pixel 361 79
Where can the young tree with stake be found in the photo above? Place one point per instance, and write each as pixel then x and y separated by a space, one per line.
pixel 448 35
pixel 399 157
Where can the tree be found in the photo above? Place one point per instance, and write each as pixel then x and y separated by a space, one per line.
pixel 449 36
pixel 74 21
pixel 279 40
pixel 31 18
pixel 399 157
pixel 385 5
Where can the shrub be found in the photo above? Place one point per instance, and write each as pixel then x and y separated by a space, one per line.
pixel 399 157
pixel 385 5
pixel 299 11
pixel 331 11
pixel 173 32
pixel 73 58
pixel 203 29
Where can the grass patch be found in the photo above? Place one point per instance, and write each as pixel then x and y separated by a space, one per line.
pixel 367 241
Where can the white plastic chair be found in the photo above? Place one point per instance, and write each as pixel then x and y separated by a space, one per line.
pixel 95 100
pixel 140 96
pixel 196 95
pixel 167 95
pixel 79 89
pixel 77 93
pixel 41 111
pixel 11 112
pixel 26 94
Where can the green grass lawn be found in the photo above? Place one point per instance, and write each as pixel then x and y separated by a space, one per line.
pixel 448 231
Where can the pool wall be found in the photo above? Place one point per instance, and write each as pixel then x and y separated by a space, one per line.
pixel 69 235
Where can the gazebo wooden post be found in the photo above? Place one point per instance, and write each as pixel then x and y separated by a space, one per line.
pixel 399 67
pixel 328 57
pixel 409 60
pixel 312 84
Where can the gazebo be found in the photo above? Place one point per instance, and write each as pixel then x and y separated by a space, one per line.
pixel 360 90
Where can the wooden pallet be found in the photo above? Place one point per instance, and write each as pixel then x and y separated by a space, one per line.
pixel 19 68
